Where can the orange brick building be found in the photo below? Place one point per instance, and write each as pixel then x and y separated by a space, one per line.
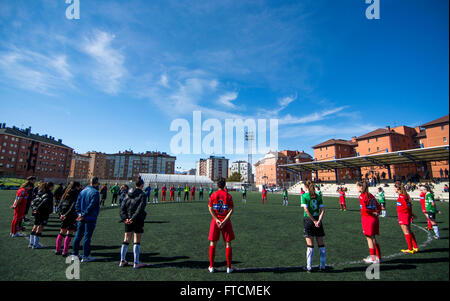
pixel 268 172
pixel 24 154
pixel 79 167
pixel 434 133
pixel 335 149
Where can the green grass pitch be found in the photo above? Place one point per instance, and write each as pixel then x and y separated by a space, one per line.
pixel 269 245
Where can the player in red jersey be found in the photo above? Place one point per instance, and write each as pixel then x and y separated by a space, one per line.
pixel 172 194
pixel 370 210
pixel 342 199
pixel 422 203
pixel 221 208
pixel 405 215
pixel 19 207
pixel 193 193
pixel 163 193
pixel 264 194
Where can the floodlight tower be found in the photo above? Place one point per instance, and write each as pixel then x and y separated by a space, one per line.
pixel 250 137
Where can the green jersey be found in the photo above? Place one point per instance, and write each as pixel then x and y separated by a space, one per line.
pixel 429 200
pixel 115 190
pixel 211 191
pixel 179 190
pixel 381 198
pixel 186 189
pixel 313 205
pixel 319 193
pixel 200 190
pixel 155 191
pixel 244 191
pixel 285 193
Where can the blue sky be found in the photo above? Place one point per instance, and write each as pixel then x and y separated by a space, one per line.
pixel 116 78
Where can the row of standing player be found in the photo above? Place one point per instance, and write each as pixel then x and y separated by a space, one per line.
pixel 221 208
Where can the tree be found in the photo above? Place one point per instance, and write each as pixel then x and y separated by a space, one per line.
pixel 235 177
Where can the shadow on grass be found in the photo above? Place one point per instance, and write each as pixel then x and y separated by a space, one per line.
pixel 191 264
pixel 416 260
pixel 156 222
pixel 434 250
pixel 383 268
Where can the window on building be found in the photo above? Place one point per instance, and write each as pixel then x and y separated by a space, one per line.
pixel 445 139
pixel 443 127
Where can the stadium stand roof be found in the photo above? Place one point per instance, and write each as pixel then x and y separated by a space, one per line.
pixel 437 153
pixel 175 179
pixel 335 141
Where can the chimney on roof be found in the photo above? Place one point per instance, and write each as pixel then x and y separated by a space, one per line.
pixel 388 128
pixel 354 139
pixel 28 131
pixel 60 140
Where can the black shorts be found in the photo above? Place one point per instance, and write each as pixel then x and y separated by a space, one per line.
pixel 69 224
pixel 431 216
pixel 310 230
pixel 244 195
pixel 136 227
pixel 40 220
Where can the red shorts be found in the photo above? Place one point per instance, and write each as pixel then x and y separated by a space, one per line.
pixel 404 218
pixel 227 232
pixel 264 195
pixel 370 225
pixel 341 201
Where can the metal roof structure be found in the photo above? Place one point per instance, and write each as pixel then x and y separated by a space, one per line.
pixel 419 155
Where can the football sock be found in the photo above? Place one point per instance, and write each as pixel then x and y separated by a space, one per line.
pixel 37 237
pixel 413 240
pixel 136 250
pixel 67 243
pixel 372 253
pixel 123 251
pixel 309 257
pixel 408 241
pixel 59 240
pixel 212 255
pixel 429 225
pixel 323 256
pixel 32 238
pixel 436 230
pixel 378 251
pixel 229 255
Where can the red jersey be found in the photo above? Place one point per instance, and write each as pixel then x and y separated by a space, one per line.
pixel 341 195
pixel 368 204
pixel 221 202
pixel 164 189
pixel 192 189
pixel 422 201
pixel 22 197
pixel 172 189
pixel 404 204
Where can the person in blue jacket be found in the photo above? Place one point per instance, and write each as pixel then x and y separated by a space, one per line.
pixel 87 208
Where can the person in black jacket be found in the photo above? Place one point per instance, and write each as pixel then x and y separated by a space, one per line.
pixel 132 213
pixel 42 207
pixel 58 195
pixel 68 217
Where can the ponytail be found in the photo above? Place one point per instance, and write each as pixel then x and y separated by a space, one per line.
pixel 311 189
pixel 364 185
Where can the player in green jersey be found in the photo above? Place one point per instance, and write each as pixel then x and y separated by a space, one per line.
pixel 155 194
pixel 244 194
pixel 211 191
pixel 382 201
pixel 431 210
pixel 285 197
pixel 200 193
pixel 312 220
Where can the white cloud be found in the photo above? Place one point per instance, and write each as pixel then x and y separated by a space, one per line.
pixel 285 101
pixel 110 69
pixel 313 117
pixel 227 98
pixel 164 81
pixel 42 73
pixel 336 131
